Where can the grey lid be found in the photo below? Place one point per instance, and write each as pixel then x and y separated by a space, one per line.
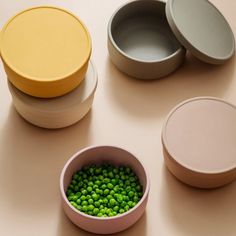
pixel 202 29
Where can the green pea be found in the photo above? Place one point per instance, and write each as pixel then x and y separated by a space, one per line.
pixel 126 198
pixel 102 211
pixel 70 198
pixel 101 177
pixel 106 192
pixel 84 208
pixel 90 207
pixel 130 193
pixel 98 182
pixel 136 199
pixel 130 203
pixel 112 202
pixel 88 197
pixel 123 204
pixel 110 214
pixel 123 177
pixel 95 211
pixel 90 201
pixel 126 208
pixel 95 197
pixel 105 200
pixel 121 211
pixel 140 194
pixel 120 198
pixel 99 214
pixel 110 185
pixel 75 176
pixel 97 204
pixel 103 186
pixel 128 189
pixel 76 188
pixel 106 180
pixel 83 198
pixel 84 203
pixel 132 179
pixel 127 170
pixel 95 186
pixel 73 204
pixel 89 189
pixel 69 192
pixel 138 188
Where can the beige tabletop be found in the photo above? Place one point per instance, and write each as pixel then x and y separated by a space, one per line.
pixel 128 113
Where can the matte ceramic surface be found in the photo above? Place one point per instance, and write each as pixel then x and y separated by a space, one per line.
pixel 140 41
pixel 45 51
pixel 199 142
pixel 98 155
pixel 57 112
pixel 202 29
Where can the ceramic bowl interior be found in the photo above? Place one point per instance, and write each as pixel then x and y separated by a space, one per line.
pixel 99 155
pixel 140 31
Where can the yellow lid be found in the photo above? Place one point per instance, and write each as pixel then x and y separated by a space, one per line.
pixel 44 44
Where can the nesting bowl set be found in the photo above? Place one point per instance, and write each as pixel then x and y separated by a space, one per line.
pixel 46 55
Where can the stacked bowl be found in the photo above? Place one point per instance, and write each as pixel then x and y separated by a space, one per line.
pixel 46 55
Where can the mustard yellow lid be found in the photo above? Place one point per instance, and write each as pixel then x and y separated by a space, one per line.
pixel 43 45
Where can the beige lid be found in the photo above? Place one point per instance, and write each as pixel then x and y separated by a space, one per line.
pixel 199 140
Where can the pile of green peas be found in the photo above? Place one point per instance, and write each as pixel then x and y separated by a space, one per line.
pixel 104 190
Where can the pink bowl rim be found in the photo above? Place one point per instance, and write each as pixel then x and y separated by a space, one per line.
pixel 76 155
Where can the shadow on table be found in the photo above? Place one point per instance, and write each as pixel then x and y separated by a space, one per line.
pixel 65 228
pixel 154 98
pixel 33 158
pixel 198 212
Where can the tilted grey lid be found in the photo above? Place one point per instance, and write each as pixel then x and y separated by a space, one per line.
pixel 202 29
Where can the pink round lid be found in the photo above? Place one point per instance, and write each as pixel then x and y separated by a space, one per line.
pixel 200 136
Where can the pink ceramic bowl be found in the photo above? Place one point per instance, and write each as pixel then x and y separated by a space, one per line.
pixel 97 155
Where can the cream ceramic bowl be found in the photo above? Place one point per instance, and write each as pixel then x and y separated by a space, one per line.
pixel 140 41
pixel 61 111
pixel 45 51
pixel 98 155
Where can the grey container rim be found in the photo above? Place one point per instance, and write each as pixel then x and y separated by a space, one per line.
pixel 110 37
pixel 183 41
pixel 163 138
pixel 145 195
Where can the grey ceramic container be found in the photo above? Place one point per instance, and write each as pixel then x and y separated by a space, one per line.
pixel 140 41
